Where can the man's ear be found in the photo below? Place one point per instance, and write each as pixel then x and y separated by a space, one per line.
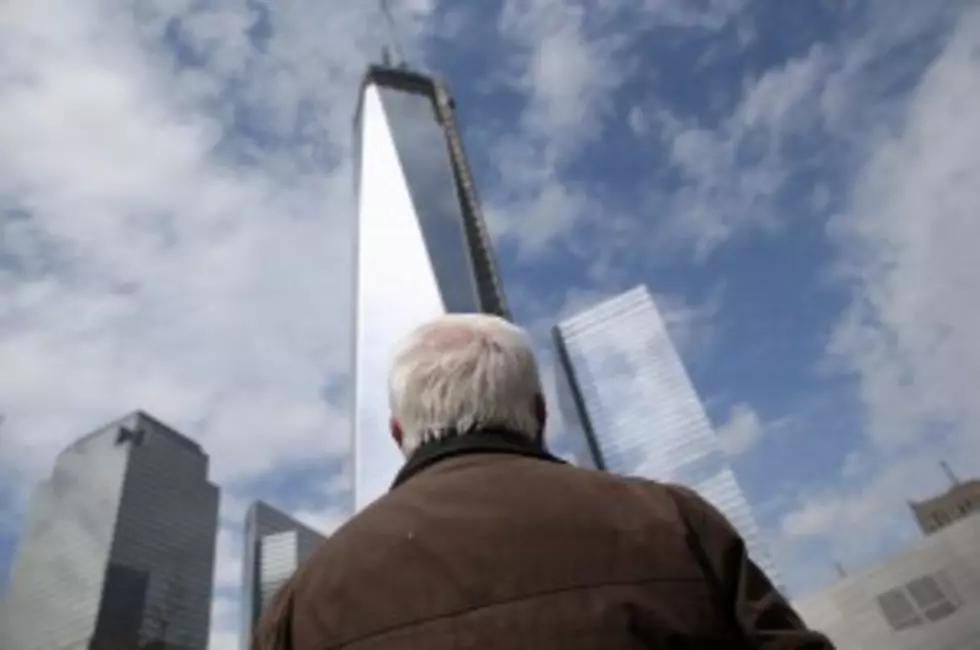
pixel 541 413
pixel 396 431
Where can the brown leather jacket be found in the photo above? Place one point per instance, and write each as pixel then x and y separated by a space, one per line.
pixel 486 541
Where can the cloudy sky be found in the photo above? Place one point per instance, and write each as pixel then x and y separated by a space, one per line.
pixel 798 182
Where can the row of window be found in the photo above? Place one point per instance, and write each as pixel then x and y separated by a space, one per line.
pixel 943 518
pixel 926 599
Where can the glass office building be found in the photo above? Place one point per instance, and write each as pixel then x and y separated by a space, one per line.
pixel 925 598
pixel 275 546
pixel 118 547
pixel 421 246
pixel 631 408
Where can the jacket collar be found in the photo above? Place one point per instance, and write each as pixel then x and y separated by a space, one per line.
pixel 483 441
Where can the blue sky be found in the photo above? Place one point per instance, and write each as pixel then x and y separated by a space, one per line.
pixel 798 183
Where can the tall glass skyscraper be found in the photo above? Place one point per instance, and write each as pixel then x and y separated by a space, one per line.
pixel 422 248
pixel 118 547
pixel 631 408
pixel 275 546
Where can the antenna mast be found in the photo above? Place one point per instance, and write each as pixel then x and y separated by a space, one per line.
pixel 395 45
pixel 953 479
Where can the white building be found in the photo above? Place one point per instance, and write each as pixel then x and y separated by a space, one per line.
pixel 927 598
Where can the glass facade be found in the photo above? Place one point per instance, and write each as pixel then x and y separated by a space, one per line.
pixel 421 247
pixel 926 598
pixel 275 546
pixel 627 400
pixel 118 547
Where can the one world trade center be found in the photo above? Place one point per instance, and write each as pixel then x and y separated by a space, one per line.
pixel 422 248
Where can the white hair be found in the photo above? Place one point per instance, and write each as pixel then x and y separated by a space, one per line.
pixel 461 372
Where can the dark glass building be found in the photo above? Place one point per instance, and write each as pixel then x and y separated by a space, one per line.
pixel 275 546
pixel 118 547
pixel 422 248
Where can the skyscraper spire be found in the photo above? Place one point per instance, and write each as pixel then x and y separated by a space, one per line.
pixel 953 479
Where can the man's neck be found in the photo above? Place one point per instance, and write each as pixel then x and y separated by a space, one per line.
pixel 489 440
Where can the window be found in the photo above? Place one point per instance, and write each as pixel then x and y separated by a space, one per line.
pixel 928 598
pixel 898 609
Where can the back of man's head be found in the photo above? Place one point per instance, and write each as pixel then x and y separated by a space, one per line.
pixel 461 373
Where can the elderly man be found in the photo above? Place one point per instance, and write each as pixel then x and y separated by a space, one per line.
pixel 488 541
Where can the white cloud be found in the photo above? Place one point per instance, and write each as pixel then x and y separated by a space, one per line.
pixel 570 59
pixel 176 238
pixel 569 74
pixel 910 331
pixel 908 336
pixel 776 100
pixel 566 76
pixel 733 171
pixel 225 616
pixel 742 431
pixel 826 104
pixel 228 557
pixel 152 271
pixel 859 519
